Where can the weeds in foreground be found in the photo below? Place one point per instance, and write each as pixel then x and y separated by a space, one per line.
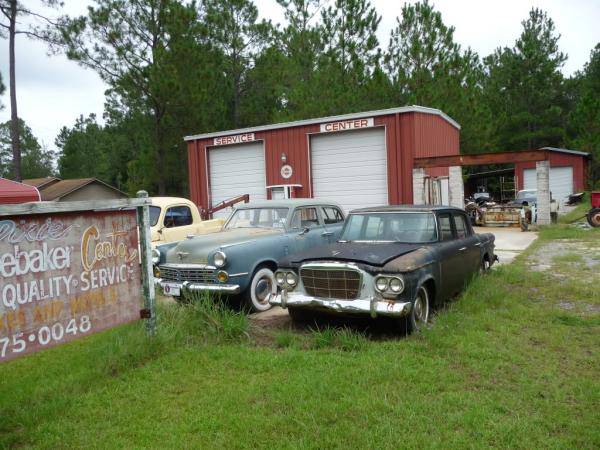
pixel 209 317
pixel 344 339
pixel 286 339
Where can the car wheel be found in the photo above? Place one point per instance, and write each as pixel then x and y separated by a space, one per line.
pixel 593 217
pixel 419 313
pixel 262 286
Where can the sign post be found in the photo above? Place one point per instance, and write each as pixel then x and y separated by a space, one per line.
pixel 143 217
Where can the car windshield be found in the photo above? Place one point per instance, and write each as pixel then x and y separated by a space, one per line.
pixel 390 227
pixel 525 194
pixel 258 218
pixel 154 215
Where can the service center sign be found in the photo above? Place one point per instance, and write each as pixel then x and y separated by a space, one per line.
pixel 237 139
pixel 347 125
pixel 66 275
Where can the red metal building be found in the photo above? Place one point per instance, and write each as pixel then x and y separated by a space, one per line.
pixel 568 169
pixel 356 159
pixel 12 192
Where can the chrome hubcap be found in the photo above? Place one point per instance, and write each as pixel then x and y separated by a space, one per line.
pixel 421 308
pixel 263 290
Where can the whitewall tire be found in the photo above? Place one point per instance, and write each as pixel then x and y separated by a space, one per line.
pixel 262 286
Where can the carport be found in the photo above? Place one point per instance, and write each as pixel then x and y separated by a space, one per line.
pixel 456 186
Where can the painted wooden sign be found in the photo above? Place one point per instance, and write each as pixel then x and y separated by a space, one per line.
pixel 66 275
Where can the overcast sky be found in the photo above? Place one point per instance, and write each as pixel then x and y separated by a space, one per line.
pixel 53 91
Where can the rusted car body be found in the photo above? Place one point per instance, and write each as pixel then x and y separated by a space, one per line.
pixel 395 261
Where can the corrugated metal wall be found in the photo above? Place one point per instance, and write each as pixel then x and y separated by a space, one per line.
pixel 408 135
pixel 558 159
pixel 294 143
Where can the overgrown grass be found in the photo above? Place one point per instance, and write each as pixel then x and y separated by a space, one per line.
pixel 578 212
pixel 562 231
pixel 502 366
pixel 344 338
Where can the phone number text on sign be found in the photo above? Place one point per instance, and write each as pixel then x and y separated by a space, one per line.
pixel 66 275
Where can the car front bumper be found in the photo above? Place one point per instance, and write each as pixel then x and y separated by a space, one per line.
pixel 187 287
pixel 371 306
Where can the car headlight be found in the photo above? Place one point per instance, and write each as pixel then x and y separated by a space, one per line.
pixel 387 284
pixel 286 279
pixel 155 256
pixel 291 279
pixel 396 285
pixel 381 284
pixel 280 278
pixel 220 259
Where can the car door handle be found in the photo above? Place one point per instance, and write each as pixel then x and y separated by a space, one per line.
pixel 327 233
pixel 462 249
pixel 478 244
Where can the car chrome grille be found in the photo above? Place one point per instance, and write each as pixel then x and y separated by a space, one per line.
pixel 192 274
pixel 343 284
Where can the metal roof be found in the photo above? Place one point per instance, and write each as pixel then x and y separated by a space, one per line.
pixel 298 123
pixel 565 150
pixel 12 192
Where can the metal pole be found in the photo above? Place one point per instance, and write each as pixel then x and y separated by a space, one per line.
pixel 143 216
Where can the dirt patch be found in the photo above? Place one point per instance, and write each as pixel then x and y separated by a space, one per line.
pixel 573 265
pixel 564 254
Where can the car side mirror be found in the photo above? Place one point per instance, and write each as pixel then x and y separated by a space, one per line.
pixel 304 231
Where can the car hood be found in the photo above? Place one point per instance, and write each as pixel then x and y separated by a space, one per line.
pixel 375 254
pixel 197 249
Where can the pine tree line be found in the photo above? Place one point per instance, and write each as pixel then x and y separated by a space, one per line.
pixel 176 68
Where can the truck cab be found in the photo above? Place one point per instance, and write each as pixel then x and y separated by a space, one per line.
pixel 173 219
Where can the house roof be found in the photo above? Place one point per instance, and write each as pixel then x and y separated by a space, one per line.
pixel 12 192
pixel 565 150
pixel 358 115
pixel 40 182
pixel 63 187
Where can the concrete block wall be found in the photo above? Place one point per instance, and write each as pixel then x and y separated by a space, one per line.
pixel 543 192
pixel 418 186
pixel 456 188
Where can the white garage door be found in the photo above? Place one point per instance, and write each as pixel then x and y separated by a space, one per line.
pixel 561 181
pixel 350 168
pixel 236 170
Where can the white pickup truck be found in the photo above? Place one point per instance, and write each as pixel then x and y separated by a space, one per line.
pixel 174 218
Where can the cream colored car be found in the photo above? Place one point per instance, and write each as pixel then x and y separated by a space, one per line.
pixel 173 219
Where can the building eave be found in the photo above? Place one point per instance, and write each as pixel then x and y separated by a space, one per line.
pixel 299 123
pixel 565 150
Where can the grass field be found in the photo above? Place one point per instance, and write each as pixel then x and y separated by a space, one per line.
pixel 504 365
